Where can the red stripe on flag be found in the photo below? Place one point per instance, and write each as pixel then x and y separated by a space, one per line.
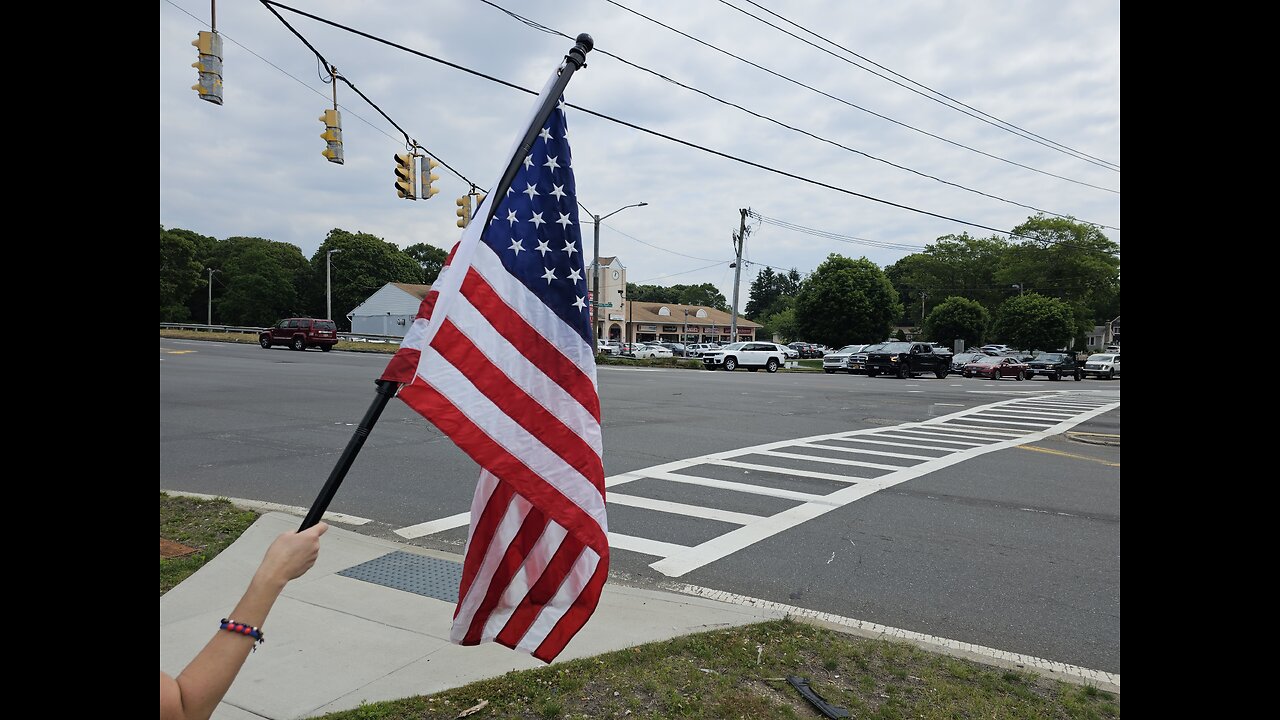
pixel 495 458
pixel 481 536
pixel 403 366
pixel 530 530
pixel 531 343
pixel 572 622
pixel 516 403
pixel 541 592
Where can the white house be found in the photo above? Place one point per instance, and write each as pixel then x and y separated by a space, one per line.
pixel 389 311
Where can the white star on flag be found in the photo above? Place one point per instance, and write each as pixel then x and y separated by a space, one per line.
pixel 516 245
pixel 551 163
pixel 580 304
pixel 511 218
pixel 549 275
pixel 545 134
pixel 574 275
pixel 543 247
pixel 558 191
pixel 530 190
pixel 564 220
pixel 528 163
pixel 569 247
pixel 537 220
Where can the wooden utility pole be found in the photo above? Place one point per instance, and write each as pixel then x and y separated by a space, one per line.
pixel 739 240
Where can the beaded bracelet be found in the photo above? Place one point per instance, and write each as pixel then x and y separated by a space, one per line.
pixel 241 628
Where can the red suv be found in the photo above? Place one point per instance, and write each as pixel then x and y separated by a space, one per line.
pixel 300 334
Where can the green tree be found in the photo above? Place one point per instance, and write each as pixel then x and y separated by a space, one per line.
pixel 1034 322
pixel 957 318
pixel 262 279
pixel 952 265
pixel 705 294
pixel 180 273
pixel 768 289
pixel 782 321
pixel 367 262
pixel 846 301
pixel 1067 260
pixel 430 258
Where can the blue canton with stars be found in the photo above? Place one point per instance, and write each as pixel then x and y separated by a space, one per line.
pixel 535 228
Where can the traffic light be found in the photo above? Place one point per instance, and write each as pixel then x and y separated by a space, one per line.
pixel 332 120
pixel 464 210
pixel 210 66
pixel 429 177
pixel 404 176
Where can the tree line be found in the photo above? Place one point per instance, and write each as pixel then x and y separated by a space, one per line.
pixel 257 281
pixel 1046 288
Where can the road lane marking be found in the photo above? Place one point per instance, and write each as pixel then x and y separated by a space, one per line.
pixel 678 560
pixel 861 451
pixel 1069 455
pixel 676 508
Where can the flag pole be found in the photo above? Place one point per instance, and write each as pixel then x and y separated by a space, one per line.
pixel 576 59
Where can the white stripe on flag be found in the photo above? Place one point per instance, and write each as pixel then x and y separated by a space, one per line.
pixel 535 562
pixel 512 362
pixel 583 568
pixel 534 311
pixel 450 382
pixel 512 519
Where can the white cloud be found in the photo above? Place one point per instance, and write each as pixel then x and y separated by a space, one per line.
pixel 253 165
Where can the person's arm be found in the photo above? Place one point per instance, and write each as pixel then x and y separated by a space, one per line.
pixel 200 686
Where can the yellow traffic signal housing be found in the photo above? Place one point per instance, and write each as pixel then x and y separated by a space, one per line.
pixel 429 178
pixel 209 86
pixel 404 176
pixel 332 134
pixel 464 210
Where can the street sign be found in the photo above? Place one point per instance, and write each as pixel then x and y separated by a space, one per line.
pixel 603 304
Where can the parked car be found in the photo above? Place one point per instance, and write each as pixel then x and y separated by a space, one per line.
pixel 651 351
pixel 995 349
pixel 300 334
pixel 958 361
pixel 805 350
pixel 751 355
pixel 842 360
pixel 608 347
pixel 996 367
pixel 677 349
pixel 905 359
pixel 1101 366
pixel 1055 366
pixel 858 363
pixel 695 350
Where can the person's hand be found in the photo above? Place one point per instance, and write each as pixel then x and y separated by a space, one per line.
pixel 292 554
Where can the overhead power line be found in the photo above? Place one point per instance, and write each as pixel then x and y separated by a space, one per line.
pixel 640 128
pixel 319 56
pixel 1007 127
pixel 552 31
pixel 855 106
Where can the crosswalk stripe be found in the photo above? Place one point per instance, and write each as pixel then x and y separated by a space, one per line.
pixel 706 513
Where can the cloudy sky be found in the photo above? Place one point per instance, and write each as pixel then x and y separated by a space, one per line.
pixel 253 166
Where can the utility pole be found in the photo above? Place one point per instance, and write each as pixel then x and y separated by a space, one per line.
pixel 210 318
pixel 328 285
pixel 923 295
pixel 739 240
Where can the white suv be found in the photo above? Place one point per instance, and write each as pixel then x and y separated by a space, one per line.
pixel 750 355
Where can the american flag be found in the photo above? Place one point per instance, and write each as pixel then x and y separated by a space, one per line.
pixel 500 359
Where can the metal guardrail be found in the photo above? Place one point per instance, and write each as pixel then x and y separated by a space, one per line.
pixel 350 337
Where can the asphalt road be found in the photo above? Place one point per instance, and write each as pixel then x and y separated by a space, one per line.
pixel 1013 545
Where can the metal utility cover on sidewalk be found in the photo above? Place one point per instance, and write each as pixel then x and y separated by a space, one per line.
pixel 417 574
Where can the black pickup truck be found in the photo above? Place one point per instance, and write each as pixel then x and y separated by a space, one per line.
pixel 906 359
pixel 1054 365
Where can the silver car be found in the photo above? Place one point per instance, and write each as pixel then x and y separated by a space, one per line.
pixel 843 360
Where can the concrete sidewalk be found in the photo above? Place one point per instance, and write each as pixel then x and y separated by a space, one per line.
pixel 334 642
